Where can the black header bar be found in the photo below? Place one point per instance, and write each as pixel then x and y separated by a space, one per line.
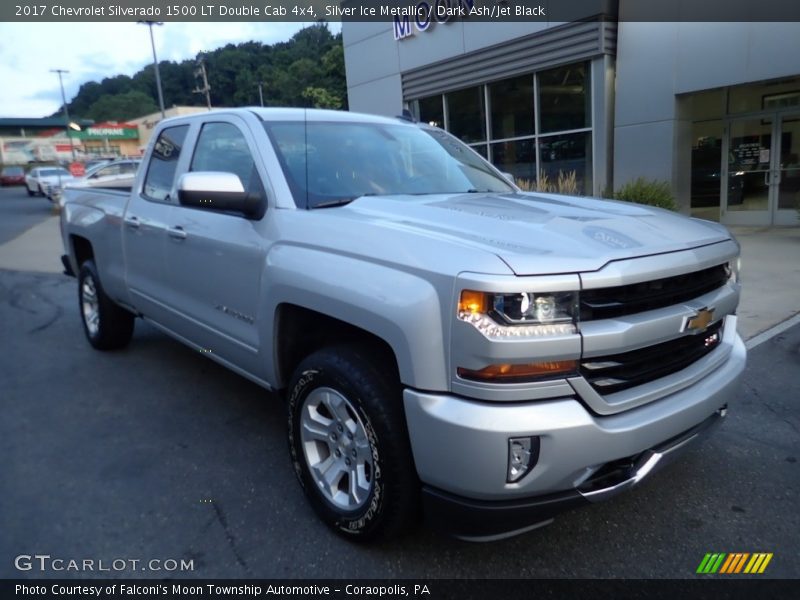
pixel 551 11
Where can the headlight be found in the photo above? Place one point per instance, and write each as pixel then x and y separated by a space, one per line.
pixel 732 269
pixel 521 314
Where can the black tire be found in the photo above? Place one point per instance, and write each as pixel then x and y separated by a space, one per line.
pixel 27 189
pixel 113 326
pixel 41 191
pixel 374 398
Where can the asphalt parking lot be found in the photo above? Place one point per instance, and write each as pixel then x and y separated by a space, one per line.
pixel 155 452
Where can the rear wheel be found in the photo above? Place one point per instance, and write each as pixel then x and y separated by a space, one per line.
pixel 349 444
pixel 106 325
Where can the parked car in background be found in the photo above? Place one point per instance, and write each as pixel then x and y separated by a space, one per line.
pixel 12 176
pixel 119 174
pixel 39 179
pixel 97 162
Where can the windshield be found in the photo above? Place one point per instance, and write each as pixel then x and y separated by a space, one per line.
pixel 54 173
pixel 328 163
pixel 13 171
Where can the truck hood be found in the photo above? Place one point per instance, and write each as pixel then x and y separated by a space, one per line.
pixel 539 233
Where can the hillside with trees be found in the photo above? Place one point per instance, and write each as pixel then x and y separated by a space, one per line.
pixel 307 70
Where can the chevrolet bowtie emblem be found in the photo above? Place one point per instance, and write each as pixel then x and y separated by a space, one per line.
pixel 700 321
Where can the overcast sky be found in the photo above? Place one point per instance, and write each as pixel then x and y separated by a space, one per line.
pixel 92 51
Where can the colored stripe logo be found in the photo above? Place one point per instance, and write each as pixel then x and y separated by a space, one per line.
pixel 734 563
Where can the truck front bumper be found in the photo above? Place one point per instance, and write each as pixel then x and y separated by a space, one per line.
pixel 461 450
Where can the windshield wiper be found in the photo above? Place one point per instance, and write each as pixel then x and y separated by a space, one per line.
pixel 332 203
pixel 341 201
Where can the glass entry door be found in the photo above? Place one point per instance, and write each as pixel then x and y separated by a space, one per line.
pixel 787 172
pixel 762 174
pixel 746 197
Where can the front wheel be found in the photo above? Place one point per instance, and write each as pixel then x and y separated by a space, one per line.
pixel 107 326
pixel 349 443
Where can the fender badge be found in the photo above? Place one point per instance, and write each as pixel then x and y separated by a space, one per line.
pixel 700 321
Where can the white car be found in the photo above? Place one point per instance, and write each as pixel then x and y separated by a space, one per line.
pixel 115 175
pixel 40 179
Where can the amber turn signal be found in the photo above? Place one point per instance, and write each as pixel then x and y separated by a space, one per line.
pixel 508 373
pixel 473 302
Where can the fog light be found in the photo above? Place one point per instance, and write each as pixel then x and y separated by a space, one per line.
pixel 523 454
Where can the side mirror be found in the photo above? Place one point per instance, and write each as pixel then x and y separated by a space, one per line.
pixel 509 176
pixel 218 190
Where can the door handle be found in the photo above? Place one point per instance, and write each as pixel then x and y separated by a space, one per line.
pixel 132 222
pixel 177 233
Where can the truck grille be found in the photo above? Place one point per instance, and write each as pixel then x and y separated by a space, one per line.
pixel 648 295
pixel 609 374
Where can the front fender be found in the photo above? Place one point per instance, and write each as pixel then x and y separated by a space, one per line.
pixel 400 308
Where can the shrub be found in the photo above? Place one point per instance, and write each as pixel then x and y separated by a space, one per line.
pixel 646 191
pixel 567 183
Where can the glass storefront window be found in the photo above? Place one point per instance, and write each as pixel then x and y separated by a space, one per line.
pixel 564 104
pixel 511 102
pixel 565 155
pixel 706 184
pixel 564 98
pixel 517 158
pixel 466 114
pixel 766 96
pixel 431 111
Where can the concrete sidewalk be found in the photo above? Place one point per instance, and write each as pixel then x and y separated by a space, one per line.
pixel 770 277
pixel 770 269
pixel 37 249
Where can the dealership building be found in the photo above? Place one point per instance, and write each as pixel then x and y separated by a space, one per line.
pixel 713 108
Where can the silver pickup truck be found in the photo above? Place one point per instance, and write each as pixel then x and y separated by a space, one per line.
pixel 443 341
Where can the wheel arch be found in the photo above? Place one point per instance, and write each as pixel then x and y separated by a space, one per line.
pixel 82 249
pixel 301 331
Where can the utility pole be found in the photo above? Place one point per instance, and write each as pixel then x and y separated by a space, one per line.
pixel 66 111
pixel 261 93
pixel 200 71
pixel 155 65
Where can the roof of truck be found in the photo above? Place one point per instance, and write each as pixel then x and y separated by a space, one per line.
pixel 298 114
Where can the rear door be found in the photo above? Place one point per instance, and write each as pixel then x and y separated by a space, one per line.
pixel 144 230
pixel 215 260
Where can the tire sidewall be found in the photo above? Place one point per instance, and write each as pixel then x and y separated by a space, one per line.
pixel 88 270
pixel 363 521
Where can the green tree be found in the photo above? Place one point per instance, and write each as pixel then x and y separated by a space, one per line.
pixel 121 107
pixel 321 98
pixel 307 70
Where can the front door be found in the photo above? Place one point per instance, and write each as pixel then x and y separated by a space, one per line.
pixel 786 172
pixel 215 260
pixel 761 182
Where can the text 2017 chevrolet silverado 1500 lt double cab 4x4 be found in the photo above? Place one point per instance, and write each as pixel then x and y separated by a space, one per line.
pixel 443 341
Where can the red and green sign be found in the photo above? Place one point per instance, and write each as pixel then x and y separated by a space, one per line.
pixel 108 131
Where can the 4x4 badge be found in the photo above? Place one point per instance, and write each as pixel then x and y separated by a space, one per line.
pixel 700 321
